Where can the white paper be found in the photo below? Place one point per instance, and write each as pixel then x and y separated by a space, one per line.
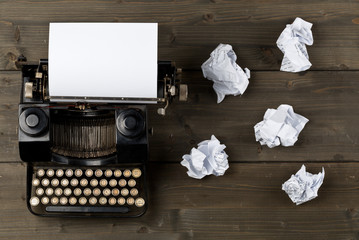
pixel 279 126
pixel 292 43
pixel 103 60
pixel 227 76
pixel 208 158
pixel 303 186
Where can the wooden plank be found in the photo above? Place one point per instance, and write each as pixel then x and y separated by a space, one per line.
pixel 246 203
pixel 190 30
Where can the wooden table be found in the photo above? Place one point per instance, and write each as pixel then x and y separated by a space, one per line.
pixel 247 202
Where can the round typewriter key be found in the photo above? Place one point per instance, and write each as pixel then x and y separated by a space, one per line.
pixel 96 192
pixel 64 182
pixel 58 191
pixel 54 201
pixel 87 192
pixel 127 173
pixel 134 192
pixel 122 182
pixel 136 173
pixel 115 192
pixel 140 202
pixel 55 182
pixel 117 173
pixel 50 172
pixel 77 191
pixel 92 200
pixel 131 183
pixel 67 191
pixel 40 172
pixel 78 172
pixel 45 200
pixel 103 182
pixel 69 173
pixel 35 182
pixel 108 173
pixel 82 200
pixel 112 201
pixel 98 173
pixel 72 200
pixel 63 201
pixel 106 192
pixel 74 182
pixel 83 182
pixel 94 182
pixel 124 192
pixel 102 200
pixel 39 191
pixel 130 201
pixel 45 182
pixel 121 201
pixel 112 182
pixel 49 191
pixel 59 172
pixel 34 201
pixel 89 173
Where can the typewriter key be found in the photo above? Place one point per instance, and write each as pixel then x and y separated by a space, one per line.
pixel 74 182
pixel 40 172
pixel 134 192
pixel 127 173
pixel 59 172
pixel 122 182
pixel 121 201
pixel 117 173
pixel 140 202
pixel 124 192
pixel 96 192
pixel 34 201
pixel 98 173
pixel 54 200
pixel 72 200
pixel 89 173
pixel 39 191
pixel 112 201
pixel 102 200
pixel 50 172
pixel 130 201
pixel 83 182
pixel 64 182
pixel 87 192
pixel 69 173
pixel 35 182
pixel 49 191
pixel 67 191
pixel 106 192
pixel 45 182
pixel 103 182
pixel 78 172
pixel 77 191
pixel 45 200
pixel 55 182
pixel 82 200
pixel 131 183
pixel 113 182
pixel 115 192
pixel 136 173
pixel 108 173
pixel 92 200
pixel 58 191
pixel 63 201
pixel 94 182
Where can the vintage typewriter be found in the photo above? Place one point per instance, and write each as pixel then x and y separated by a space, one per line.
pixel 87 157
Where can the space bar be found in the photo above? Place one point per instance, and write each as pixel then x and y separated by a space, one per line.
pixel 77 209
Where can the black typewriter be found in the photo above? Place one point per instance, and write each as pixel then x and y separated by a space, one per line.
pixel 86 159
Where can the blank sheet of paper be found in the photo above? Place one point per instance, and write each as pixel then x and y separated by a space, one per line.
pixel 103 60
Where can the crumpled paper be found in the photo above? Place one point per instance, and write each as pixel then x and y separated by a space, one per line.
pixel 279 126
pixel 208 158
pixel 292 43
pixel 303 186
pixel 221 68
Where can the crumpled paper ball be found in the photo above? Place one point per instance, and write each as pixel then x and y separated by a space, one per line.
pixel 227 76
pixel 208 158
pixel 303 186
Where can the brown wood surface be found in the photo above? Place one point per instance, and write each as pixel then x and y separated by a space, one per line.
pixel 247 202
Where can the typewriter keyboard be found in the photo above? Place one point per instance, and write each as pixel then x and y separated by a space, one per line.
pixel 87 191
